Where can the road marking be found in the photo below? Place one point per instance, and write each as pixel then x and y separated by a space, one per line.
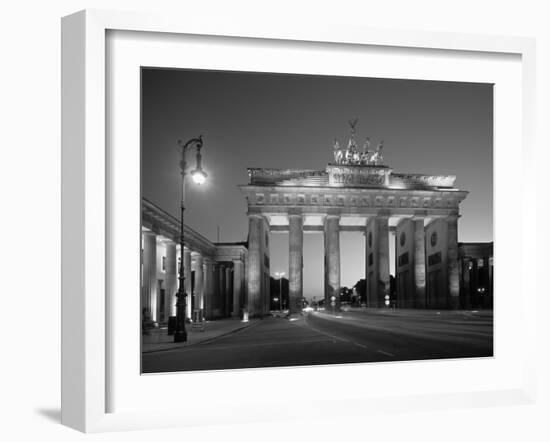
pixel 361 345
pixel 326 334
pixel 386 353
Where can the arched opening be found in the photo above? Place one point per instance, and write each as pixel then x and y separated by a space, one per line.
pixel 313 267
pixel 278 258
pixel 352 268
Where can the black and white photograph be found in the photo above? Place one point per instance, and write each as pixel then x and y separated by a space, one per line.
pixel 254 221
pixel 300 220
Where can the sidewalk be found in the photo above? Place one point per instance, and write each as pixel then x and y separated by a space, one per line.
pixel 158 340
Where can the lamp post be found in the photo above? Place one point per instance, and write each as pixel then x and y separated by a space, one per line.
pixel 280 276
pixel 199 176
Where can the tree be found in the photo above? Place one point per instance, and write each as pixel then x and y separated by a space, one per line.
pixel 361 288
pixel 345 294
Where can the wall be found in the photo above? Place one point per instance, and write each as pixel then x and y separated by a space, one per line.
pixel 266 265
pixel 404 264
pixel 436 264
pixel 371 264
pixel 30 183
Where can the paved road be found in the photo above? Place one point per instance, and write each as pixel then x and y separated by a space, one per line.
pixel 320 338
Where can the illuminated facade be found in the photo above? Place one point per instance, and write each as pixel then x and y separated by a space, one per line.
pixel 359 193
pixel 214 272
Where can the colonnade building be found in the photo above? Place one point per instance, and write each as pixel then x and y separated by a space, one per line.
pixel 214 272
pixel 476 274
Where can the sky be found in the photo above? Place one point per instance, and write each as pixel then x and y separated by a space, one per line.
pixel 290 121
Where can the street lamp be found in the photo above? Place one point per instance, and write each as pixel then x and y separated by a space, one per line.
pixel 199 176
pixel 280 276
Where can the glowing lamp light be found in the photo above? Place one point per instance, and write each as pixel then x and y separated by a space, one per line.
pixel 199 176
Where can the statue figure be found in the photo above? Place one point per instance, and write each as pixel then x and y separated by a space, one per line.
pixel 366 153
pixel 355 157
pixel 365 158
pixel 377 155
pixel 351 154
pixel 338 153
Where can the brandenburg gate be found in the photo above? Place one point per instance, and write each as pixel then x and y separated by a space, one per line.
pixel 357 192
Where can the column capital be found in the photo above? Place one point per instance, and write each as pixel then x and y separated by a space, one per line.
pixel 420 215
pixel 254 215
pixel 333 213
pixel 295 212
pixel 383 214
pixel 166 241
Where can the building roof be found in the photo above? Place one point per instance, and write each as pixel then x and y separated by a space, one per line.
pixel 163 223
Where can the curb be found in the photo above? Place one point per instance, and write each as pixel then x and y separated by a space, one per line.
pixel 205 341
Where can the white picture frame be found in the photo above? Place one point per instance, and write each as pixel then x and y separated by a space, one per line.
pixel 87 355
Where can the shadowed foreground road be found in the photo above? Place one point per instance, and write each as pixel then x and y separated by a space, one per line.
pixel 320 338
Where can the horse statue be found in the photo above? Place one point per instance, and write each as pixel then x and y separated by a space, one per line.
pixel 355 157
pixel 338 153
pixel 365 156
pixel 377 158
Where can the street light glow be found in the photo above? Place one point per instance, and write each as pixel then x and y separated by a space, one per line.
pixel 199 176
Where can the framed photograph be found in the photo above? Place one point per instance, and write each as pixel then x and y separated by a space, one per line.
pixel 254 214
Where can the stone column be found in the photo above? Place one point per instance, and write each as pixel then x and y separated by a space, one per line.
pixel 199 279
pixel 254 271
pixel 204 292
pixel 490 275
pixel 452 262
pixel 383 258
pixel 370 262
pixel 488 289
pixel 238 268
pixel 149 288
pixel 187 282
pixel 466 282
pixel 221 290
pixel 216 298
pixel 171 278
pixel 228 289
pixel 474 284
pixel 295 262
pixel 332 260
pixel 419 262
pixel 209 279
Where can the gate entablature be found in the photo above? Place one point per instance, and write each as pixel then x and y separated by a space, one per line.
pixel 349 200
pixel 349 175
